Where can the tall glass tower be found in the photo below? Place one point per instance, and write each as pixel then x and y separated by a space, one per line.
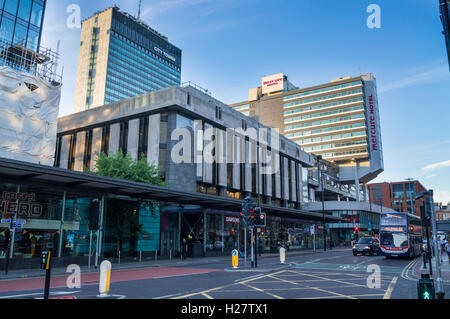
pixel 121 57
pixel 21 22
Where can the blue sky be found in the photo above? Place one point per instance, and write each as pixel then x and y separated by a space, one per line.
pixel 228 45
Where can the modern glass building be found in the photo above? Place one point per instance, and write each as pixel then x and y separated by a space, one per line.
pixel 21 22
pixel 121 57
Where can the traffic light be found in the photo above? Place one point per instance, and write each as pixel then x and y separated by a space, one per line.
pixel 260 217
pixel 248 208
pixel 425 287
pixel 45 260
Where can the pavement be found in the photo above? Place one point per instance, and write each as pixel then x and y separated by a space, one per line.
pixel 419 269
pixel 264 265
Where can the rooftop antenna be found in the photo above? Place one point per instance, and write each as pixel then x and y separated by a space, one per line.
pixel 139 12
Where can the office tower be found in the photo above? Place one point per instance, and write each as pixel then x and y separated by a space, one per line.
pixel 121 57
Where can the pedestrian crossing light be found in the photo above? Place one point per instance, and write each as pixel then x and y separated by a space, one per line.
pixel 45 260
pixel 425 287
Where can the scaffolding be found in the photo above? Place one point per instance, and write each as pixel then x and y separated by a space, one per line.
pixel 42 63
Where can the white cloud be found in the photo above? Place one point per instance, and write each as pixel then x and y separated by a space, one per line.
pixel 432 72
pixel 441 197
pixel 430 176
pixel 436 166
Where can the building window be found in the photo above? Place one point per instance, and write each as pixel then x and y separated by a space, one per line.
pixel 105 140
pixel 244 125
pixel 72 150
pixel 230 175
pixel 377 193
pixel 218 113
pixel 397 189
pixel 143 138
pixel 123 140
pixel 87 150
pixel 189 99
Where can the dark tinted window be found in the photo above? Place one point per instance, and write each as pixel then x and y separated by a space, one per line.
pixel 365 241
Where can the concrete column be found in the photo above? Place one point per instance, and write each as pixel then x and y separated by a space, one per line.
pixel 154 137
pixel 133 138
pixel 237 146
pixel 114 138
pixel 207 165
pixel 248 167
pixel 268 177
pixel 221 151
pixel 299 183
pixel 357 181
pixel 276 158
pixel 293 181
pixel 365 192
pixel 79 152
pixel 96 146
pixel 285 179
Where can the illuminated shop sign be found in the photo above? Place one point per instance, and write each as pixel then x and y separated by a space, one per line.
pixel 232 220
pixel 22 203
pixel 392 229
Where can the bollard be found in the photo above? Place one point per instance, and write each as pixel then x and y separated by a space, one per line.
pixel 119 256
pixel 156 255
pixel 282 255
pixel 105 278
pixel 235 259
pixel 140 256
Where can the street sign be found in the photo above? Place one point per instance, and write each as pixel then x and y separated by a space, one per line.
pixel 18 223
pixel 5 221
pixel 261 222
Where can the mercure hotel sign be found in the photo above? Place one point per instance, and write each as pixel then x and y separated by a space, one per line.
pixel 373 125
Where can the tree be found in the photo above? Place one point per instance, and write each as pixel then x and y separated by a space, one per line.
pixel 124 214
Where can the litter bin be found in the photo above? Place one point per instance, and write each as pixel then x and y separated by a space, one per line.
pixel 197 250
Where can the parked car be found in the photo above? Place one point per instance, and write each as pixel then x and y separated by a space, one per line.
pixel 367 245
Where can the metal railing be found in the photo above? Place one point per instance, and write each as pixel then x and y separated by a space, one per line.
pixel 42 63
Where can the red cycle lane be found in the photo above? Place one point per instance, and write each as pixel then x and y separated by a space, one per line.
pixel 93 278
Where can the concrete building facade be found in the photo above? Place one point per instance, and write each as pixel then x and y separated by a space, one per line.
pixel 158 124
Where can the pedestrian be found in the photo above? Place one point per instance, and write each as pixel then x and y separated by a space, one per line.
pixel 442 247
pixel 184 248
pixel 447 247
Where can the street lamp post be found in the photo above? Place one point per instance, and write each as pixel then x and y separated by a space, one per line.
pixel 440 291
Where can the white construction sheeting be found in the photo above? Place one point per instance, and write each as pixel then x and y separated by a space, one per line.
pixel 29 108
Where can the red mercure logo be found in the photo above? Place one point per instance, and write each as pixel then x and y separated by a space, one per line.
pixel 373 126
pixel 272 82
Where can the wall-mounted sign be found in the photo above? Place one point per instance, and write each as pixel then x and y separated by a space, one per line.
pixel 273 83
pixel 21 203
pixel 167 55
